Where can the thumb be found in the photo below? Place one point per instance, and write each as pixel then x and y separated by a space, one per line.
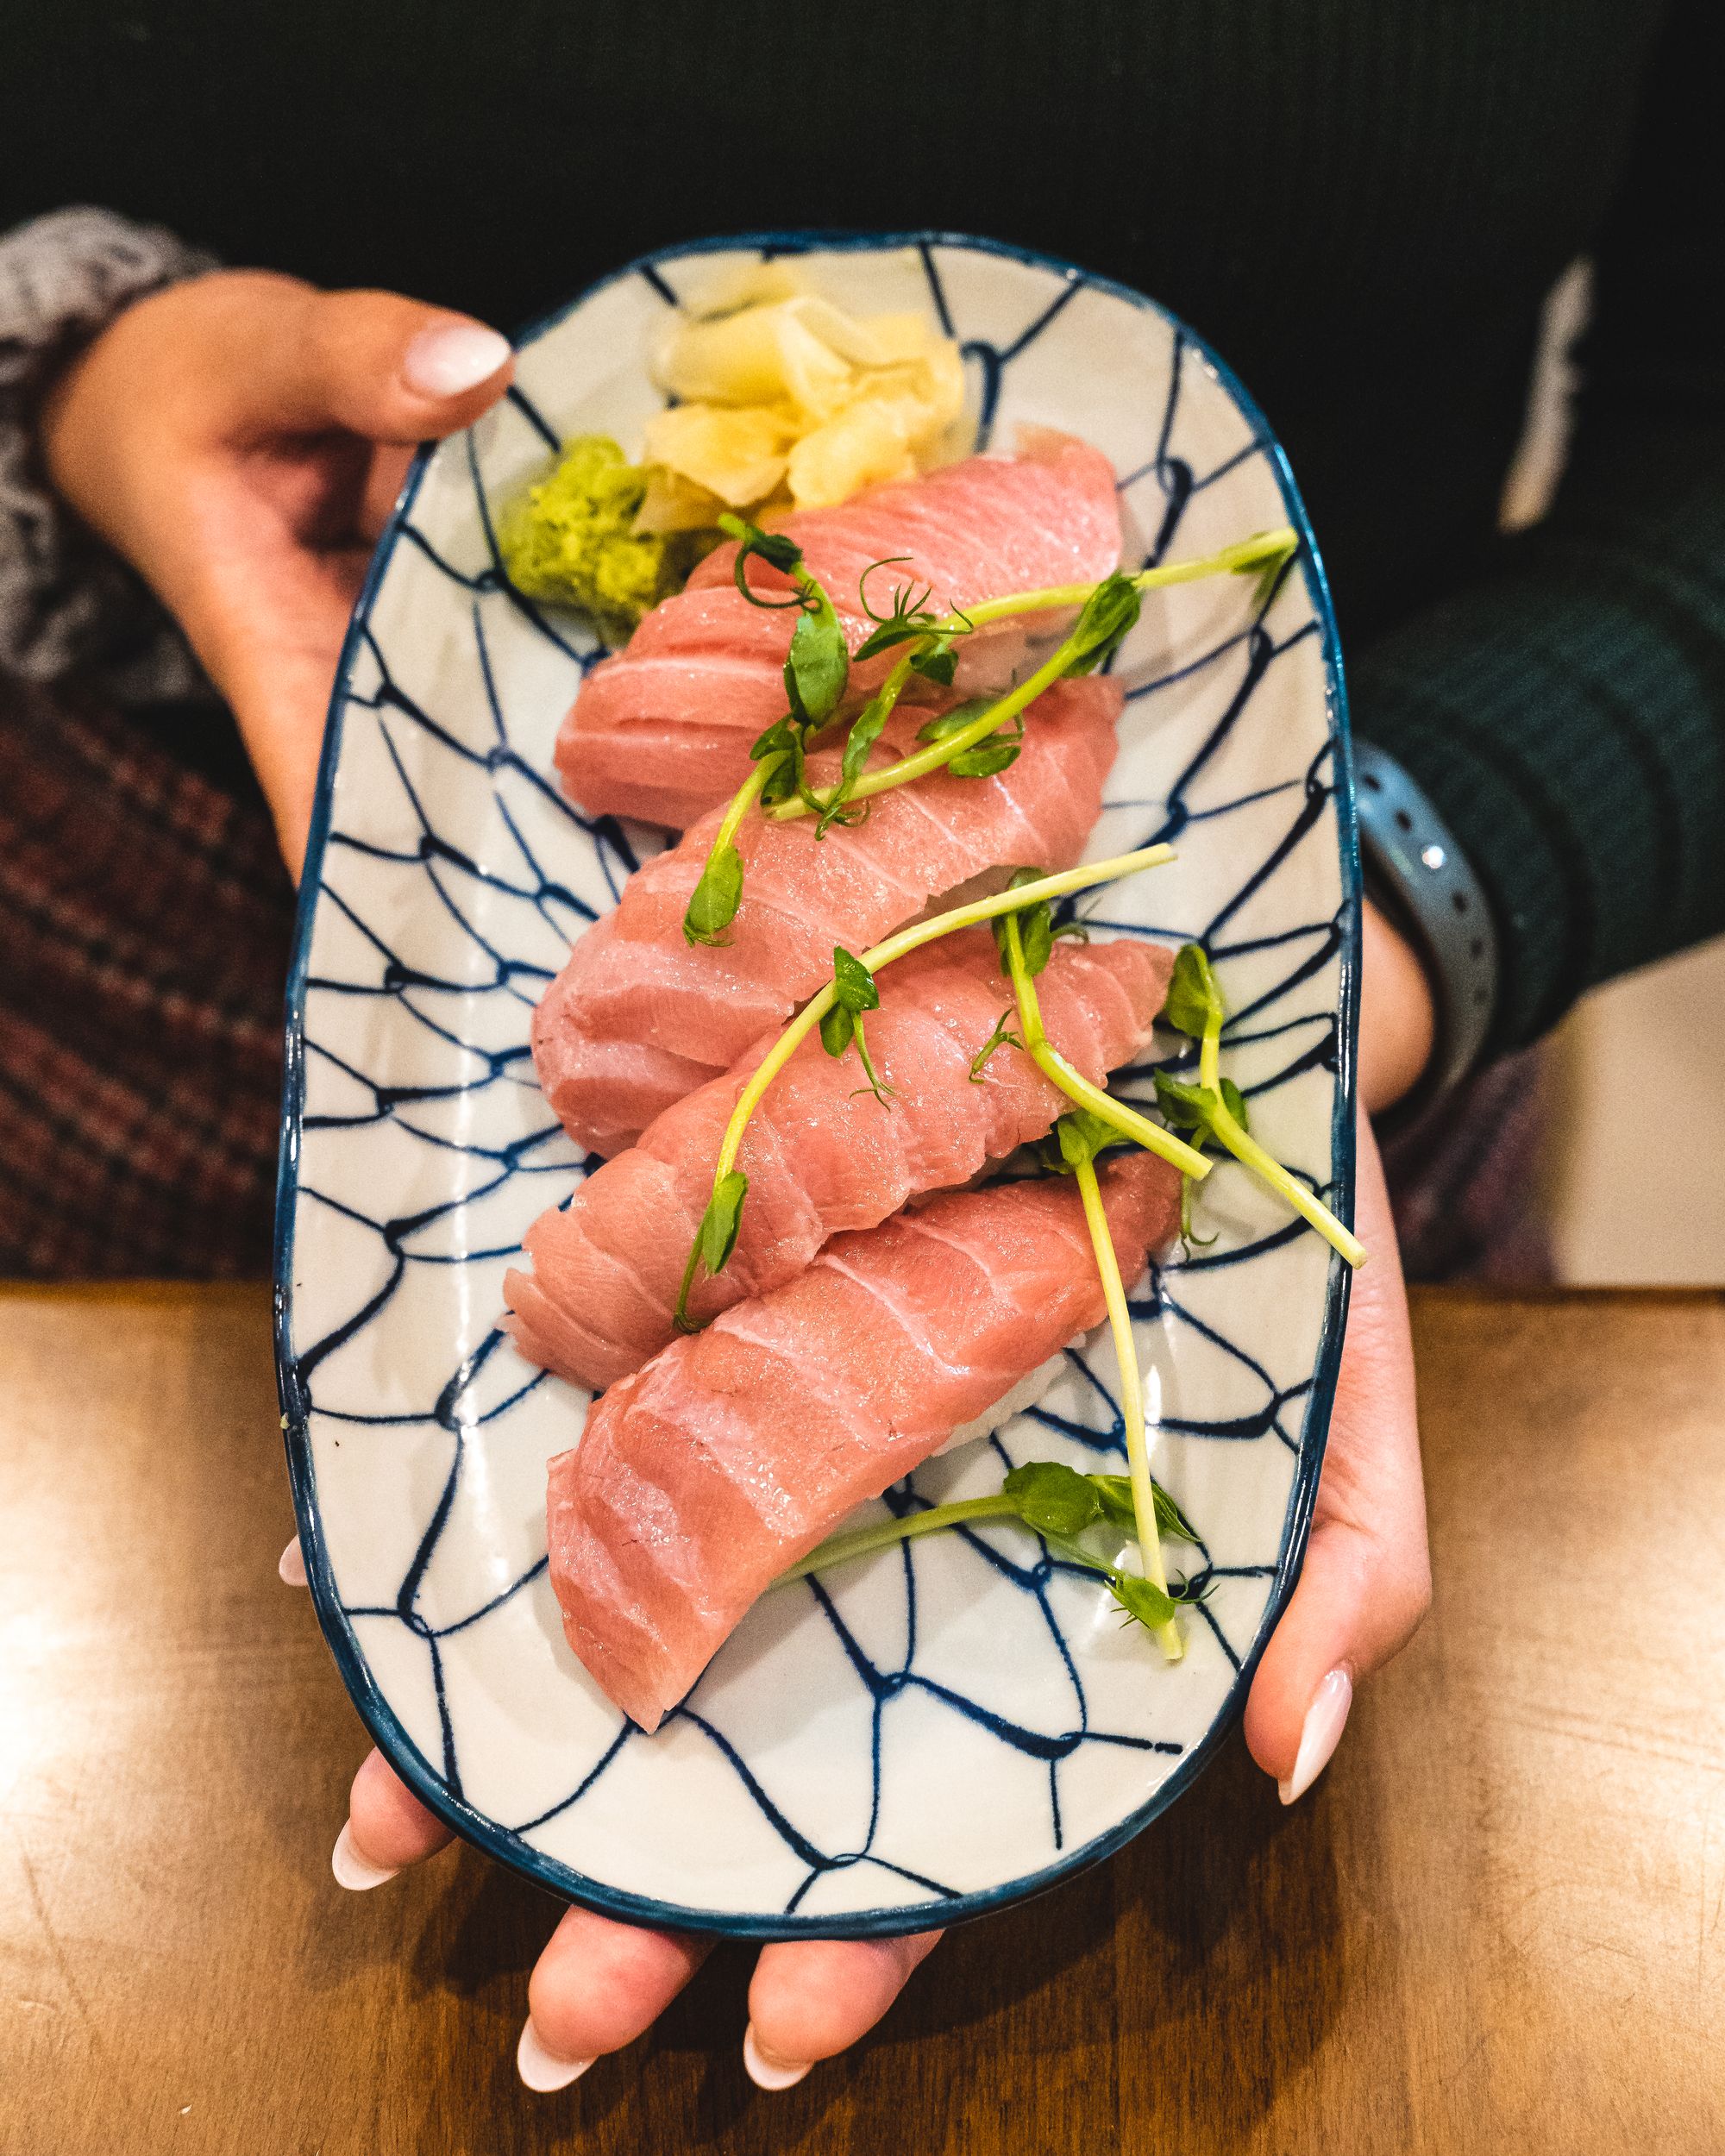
pixel 377 365
pixel 243 356
pixel 1366 1581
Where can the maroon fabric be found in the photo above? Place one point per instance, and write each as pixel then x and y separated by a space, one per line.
pixel 1465 1180
pixel 145 919
pixel 144 925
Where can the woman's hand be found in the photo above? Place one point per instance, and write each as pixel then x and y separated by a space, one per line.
pixel 1367 1580
pixel 600 1984
pixel 239 439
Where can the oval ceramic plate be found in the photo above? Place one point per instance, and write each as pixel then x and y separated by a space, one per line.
pixel 932 1733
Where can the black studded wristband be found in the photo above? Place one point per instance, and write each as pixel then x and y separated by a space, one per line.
pixel 1415 870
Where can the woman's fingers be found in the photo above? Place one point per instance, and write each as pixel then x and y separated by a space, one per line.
pixel 811 1999
pixel 388 1828
pixel 245 357
pixel 384 480
pixel 391 369
pixel 597 1985
pixel 1367 1578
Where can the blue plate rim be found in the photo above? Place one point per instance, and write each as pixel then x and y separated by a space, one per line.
pixel 379 1717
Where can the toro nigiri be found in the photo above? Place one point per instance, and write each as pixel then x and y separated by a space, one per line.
pixel 607 1268
pixel 639 1018
pixel 701 1477
pixel 662 731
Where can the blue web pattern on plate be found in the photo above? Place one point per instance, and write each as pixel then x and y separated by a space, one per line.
pixel 456 1037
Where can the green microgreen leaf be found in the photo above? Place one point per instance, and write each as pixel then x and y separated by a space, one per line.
pixel 1003 1037
pixel 886 638
pixel 818 665
pixel 1142 1600
pixel 1036 928
pixel 854 993
pixel 775 548
pixel 1235 1101
pixel 909 616
pixel 935 661
pixel 988 758
pixel 1184 1107
pixel 1115 1492
pixel 778 737
pixel 853 983
pixel 1194 1001
pixel 1106 620
pixel 1053 1499
pixel 865 732
pixel 1188 1107
pixel 836 1029
pixel 1082 1134
pixel 721 1220
pixel 713 903
pixel 783 781
pixel 945 723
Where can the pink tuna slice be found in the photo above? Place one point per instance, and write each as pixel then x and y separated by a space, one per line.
pixel 639 1017
pixel 821 1157
pixel 663 730
pixel 699 1479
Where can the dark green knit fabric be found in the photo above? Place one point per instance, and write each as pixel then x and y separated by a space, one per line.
pixel 1566 707
pixel 1363 205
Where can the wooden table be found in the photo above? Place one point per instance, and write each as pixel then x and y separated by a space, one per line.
pixel 1498 1925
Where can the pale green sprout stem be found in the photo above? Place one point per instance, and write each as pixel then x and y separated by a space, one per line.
pixel 1074 1084
pixel 863 1542
pixel 1246 553
pixel 1185 1157
pixel 1246 1149
pixel 1131 1398
pixel 1113 1291
pixel 745 796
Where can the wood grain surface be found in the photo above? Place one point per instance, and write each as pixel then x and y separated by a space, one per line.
pixel 1498 1924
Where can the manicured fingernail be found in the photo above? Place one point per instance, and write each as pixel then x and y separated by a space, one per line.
pixel 292 1564
pixel 1326 1718
pixel 451 359
pixel 542 2069
pixel 768 2071
pixel 356 1873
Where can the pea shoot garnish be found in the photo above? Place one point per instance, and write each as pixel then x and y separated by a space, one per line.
pixel 1027 938
pixel 1077 1140
pixel 817 671
pixel 853 993
pixel 1054 1502
pixel 1214 1109
pixel 975 740
pixel 1108 612
pixel 717 1231
pixel 1003 1037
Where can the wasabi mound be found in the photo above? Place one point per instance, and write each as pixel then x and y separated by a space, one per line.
pixel 572 541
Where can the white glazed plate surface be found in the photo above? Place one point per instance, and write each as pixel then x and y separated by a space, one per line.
pixel 937 1730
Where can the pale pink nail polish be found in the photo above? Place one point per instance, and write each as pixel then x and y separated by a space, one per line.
pixel 1325 1719
pixel 541 2069
pixel 353 1871
pixel 292 1564
pixel 452 358
pixel 765 2070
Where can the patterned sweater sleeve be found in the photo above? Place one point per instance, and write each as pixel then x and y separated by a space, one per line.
pixel 66 601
